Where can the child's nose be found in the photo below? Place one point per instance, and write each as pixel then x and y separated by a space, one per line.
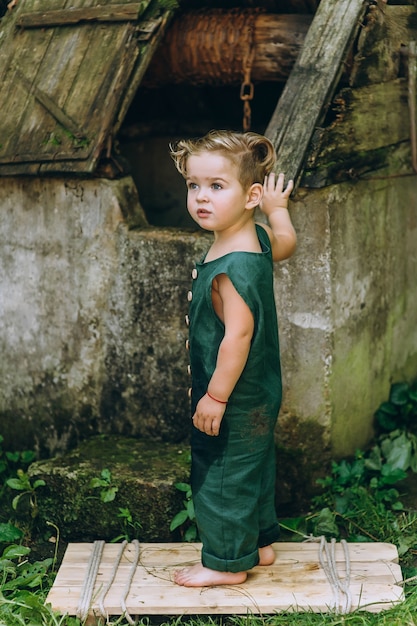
pixel 201 194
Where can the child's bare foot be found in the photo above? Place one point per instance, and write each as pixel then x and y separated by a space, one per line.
pixel 200 576
pixel 266 555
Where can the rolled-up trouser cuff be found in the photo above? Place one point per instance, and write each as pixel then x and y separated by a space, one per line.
pixel 242 564
pixel 266 537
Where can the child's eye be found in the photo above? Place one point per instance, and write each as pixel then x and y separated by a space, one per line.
pixel 216 186
pixel 192 186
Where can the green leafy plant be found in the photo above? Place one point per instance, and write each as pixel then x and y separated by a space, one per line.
pixel 10 462
pixel 362 495
pixel 104 483
pixel 19 572
pixel 396 421
pixel 185 519
pixel 23 585
pixel 360 499
pixel 13 476
pixel 130 527
pixel 400 410
pixel 28 489
pixel 9 533
pixel 348 479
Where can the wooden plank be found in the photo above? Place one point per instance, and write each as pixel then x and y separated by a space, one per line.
pixel 412 99
pixel 47 102
pixel 24 51
pixel 153 554
pixel 366 124
pixel 219 601
pixel 114 56
pixel 63 87
pixel 65 90
pixel 30 129
pixel 146 54
pixel 73 54
pixel 312 81
pixel 295 582
pixel 378 55
pixel 380 572
pixel 71 15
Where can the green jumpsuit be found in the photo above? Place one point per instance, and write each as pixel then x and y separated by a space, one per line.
pixel 233 474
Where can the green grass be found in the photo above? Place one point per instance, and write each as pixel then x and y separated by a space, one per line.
pixel 34 614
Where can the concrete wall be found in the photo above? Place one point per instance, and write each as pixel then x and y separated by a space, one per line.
pixel 93 302
pixel 91 315
pixel 374 286
pixel 349 304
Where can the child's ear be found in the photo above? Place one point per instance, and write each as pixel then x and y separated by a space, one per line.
pixel 254 195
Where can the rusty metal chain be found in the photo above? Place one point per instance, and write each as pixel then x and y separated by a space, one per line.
pixel 220 41
pixel 247 88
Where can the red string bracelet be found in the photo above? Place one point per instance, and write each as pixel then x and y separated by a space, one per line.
pixel 216 399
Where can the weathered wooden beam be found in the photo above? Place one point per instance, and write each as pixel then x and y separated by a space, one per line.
pixel 153 34
pixel 412 99
pixel 100 13
pixel 368 124
pixel 65 120
pixel 212 46
pixel 313 80
pixel 385 32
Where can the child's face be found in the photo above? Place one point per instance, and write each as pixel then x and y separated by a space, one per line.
pixel 216 199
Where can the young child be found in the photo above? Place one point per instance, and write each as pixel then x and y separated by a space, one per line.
pixel 234 350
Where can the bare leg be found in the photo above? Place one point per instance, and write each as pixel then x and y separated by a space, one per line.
pixel 266 555
pixel 200 576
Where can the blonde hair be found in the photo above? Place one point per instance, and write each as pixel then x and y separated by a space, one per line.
pixel 253 154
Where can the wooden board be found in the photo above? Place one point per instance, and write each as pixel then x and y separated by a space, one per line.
pixel 368 123
pixel 312 82
pixel 67 85
pixel 295 582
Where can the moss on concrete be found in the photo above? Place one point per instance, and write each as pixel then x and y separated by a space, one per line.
pixel 144 472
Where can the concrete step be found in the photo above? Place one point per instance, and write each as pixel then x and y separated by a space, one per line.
pixel 144 474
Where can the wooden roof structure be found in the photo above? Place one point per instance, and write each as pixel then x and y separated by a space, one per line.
pixel 69 76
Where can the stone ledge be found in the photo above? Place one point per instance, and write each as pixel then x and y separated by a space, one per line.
pixel 144 472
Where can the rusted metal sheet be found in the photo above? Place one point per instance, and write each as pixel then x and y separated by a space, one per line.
pixel 63 87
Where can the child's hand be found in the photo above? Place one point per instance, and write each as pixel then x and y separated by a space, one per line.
pixel 208 416
pixel 275 196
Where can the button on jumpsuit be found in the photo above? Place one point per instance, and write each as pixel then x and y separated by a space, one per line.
pixel 233 474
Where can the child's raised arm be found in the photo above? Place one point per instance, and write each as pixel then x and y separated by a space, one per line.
pixel 275 206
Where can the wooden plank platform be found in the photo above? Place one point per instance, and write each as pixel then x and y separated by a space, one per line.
pixel 295 582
